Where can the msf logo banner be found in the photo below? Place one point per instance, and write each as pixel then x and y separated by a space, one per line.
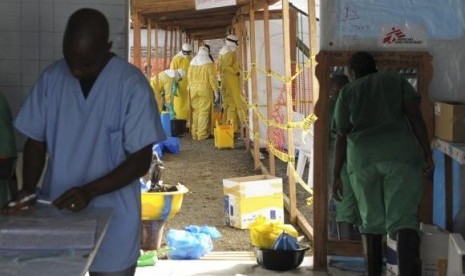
pixel 402 37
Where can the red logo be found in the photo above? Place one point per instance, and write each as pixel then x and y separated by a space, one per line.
pixel 393 36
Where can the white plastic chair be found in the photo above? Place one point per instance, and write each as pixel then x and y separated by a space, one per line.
pixel 455 256
pixel 304 147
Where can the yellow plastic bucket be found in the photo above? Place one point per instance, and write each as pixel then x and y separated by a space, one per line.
pixel 224 136
pixel 162 206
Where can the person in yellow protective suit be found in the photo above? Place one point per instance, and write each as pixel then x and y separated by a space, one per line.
pixel 234 107
pixel 181 61
pixel 166 89
pixel 202 88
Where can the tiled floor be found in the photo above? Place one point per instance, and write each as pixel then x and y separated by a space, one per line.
pixel 237 267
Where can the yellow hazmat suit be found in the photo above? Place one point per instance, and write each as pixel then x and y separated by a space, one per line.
pixel 202 86
pixel 181 102
pixel 234 107
pixel 163 89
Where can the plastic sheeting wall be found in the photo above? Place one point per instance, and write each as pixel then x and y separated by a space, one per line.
pixel 277 66
pixel 399 25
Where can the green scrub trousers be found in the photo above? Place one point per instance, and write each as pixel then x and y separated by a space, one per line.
pixel 388 194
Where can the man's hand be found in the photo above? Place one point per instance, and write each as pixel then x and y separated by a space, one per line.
pixel 74 199
pixel 25 201
pixel 337 189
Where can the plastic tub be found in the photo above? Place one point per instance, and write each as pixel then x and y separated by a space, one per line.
pixel 163 205
pixel 280 259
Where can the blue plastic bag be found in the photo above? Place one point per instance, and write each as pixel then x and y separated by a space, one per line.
pixel 186 245
pixel 171 144
pixel 286 242
pixel 209 230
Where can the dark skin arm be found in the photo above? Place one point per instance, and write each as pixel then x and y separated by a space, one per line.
pixel 412 111
pixel 33 164
pixel 339 160
pixel 78 198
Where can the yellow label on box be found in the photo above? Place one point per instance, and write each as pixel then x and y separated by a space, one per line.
pixel 245 198
pixel 240 212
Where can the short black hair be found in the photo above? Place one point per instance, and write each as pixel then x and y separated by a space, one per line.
pixel 87 20
pixel 362 63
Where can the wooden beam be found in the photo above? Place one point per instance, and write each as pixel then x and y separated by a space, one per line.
pixel 245 64
pixel 269 91
pixel 320 149
pixel 313 46
pixel 253 60
pixel 301 221
pixel 272 14
pixel 174 5
pixel 293 48
pixel 149 49
pixel 165 51
pixel 289 103
pixel 136 51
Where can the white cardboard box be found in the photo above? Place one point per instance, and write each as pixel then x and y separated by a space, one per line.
pixel 433 252
pixel 245 198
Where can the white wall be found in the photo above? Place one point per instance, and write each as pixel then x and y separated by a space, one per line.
pixel 31 34
pixel 438 26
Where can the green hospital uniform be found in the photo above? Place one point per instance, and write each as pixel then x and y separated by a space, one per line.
pixel 346 209
pixel 383 158
pixel 7 144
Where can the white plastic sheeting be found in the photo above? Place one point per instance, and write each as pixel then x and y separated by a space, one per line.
pixel 400 25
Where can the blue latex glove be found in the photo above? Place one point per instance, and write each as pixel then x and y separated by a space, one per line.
pixel 174 89
pixel 171 110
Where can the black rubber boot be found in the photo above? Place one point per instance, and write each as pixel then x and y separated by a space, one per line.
pixel 408 252
pixel 373 251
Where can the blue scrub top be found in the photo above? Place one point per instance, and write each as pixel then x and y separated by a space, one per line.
pixel 89 137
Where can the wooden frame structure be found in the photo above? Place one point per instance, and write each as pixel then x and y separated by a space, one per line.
pixel 325 61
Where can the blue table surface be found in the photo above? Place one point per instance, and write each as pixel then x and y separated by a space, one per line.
pixel 54 262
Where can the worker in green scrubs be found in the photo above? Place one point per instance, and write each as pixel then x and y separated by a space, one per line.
pixel 343 211
pixel 382 134
pixel 7 153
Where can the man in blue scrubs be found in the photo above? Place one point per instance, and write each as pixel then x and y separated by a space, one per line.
pixel 382 133
pixel 93 114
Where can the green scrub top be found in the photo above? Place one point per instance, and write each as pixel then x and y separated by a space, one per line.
pixel 369 109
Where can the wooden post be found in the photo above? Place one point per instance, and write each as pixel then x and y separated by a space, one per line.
pixel 320 146
pixel 171 46
pixel 269 91
pixel 175 38
pixel 136 51
pixel 313 46
pixel 253 60
pixel 149 48
pixel 245 64
pixel 165 49
pixel 293 55
pixel 289 102
pixel 157 56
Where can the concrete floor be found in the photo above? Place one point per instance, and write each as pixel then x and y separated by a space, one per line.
pixel 238 267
